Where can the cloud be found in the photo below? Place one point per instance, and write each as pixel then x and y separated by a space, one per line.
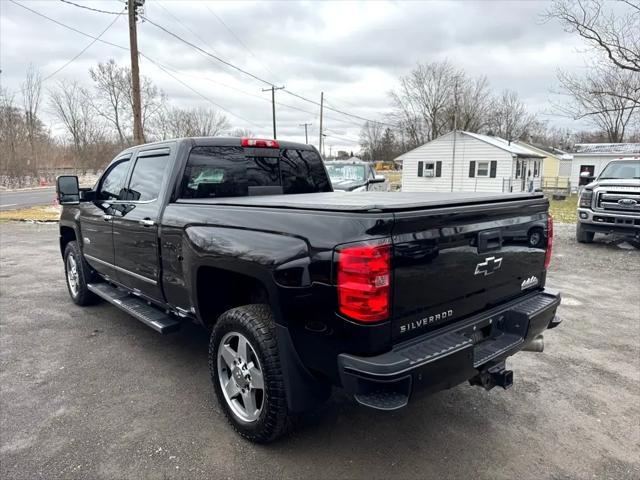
pixel 352 51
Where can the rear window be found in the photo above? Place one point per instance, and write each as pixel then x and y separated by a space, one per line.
pixel 213 172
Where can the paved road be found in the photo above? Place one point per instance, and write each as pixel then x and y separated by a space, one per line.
pixel 26 198
pixel 91 393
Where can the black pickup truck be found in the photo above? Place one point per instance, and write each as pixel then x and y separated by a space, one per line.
pixel 302 288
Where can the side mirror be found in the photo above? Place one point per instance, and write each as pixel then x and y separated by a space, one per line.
pixel 68 190
pixel 378 179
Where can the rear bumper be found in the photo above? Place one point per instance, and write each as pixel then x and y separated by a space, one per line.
pixel 448 357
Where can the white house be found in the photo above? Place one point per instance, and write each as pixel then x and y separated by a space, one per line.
pixel 470 162
pixel 591 158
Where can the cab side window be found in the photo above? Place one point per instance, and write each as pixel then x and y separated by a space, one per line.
pixel 113 181
pixel 146 179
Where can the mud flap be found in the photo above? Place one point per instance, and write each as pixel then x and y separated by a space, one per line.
pixel 303 391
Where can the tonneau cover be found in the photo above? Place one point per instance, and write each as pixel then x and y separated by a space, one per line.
pixel 366 201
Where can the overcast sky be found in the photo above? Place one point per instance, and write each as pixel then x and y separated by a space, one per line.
pixel 354 52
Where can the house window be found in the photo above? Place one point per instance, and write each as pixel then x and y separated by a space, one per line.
pixel 536 168
pixel 483 169
pixel 518 169
pixel 429 169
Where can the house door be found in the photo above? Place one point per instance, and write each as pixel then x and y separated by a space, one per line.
pixel 587 174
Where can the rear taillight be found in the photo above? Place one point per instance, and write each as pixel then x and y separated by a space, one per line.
pixel 547 256
pixel 259 143
pixel 364 281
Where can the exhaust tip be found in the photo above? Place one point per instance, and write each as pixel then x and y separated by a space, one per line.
pixel 535 345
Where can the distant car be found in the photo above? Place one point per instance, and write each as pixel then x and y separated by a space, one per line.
pixel 354 176
pixel 532 233
pixel 611 203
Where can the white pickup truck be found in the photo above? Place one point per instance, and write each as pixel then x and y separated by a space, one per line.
pixel 611 203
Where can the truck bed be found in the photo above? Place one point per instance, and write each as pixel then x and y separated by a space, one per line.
pixel 367 201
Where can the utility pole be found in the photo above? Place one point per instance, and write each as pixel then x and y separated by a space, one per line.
pixel 273 105
pixel 306 136
pixel 132 7
pixel 320 139
pixel 455 127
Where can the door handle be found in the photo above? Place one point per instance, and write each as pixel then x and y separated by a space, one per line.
pixel 107 218
pixel 147 222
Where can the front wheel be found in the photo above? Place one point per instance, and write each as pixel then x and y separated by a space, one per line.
pixel 582 235
pixel 78 274
pixel 244 364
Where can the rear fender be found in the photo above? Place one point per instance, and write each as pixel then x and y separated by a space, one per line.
pixel 258 255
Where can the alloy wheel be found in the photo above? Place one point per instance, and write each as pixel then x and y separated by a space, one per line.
pixel 240 376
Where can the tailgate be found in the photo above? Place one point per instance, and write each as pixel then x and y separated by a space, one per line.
pixel 453 262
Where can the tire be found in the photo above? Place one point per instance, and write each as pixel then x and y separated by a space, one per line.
pixel 582 235
pixel 535 237
pixel 270 419
pixel 78 274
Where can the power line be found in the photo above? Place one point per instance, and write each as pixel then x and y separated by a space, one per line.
pixel 256 77
pixel 339 111
pixel 90 8
pixel 337 135
pixel 186 27
pixel 67 26
pixel 164 68
pixel 98 39
pixel 82 51
pixel 244 45
pixel 200 94
pixel 192 45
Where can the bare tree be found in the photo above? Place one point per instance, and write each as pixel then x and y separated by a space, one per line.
pixel 152 99
pixel 509 118
pixel 31 97
pixel 608 95
pixel 608 98
pixel 242 132
pixel 70 104
pixel 615 33
pixel 421 101
pixel 12 133
pixel 110 100
pixel 208 122
pixel 114 99
pixel 175 122
pixel 371 140
pixel 432 96
pixel 472 103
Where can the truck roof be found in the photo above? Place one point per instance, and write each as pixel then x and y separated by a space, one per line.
pixel 367 201
pixel 218 142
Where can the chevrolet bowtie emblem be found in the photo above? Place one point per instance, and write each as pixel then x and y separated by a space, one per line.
pixel 489 266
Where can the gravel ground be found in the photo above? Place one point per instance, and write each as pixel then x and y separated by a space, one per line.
pixel 91 393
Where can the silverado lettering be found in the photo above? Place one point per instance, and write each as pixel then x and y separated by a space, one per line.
pixel 426 321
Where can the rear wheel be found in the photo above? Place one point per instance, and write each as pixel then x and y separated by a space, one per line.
pixel 582 235
pixel 536 237
pixel 78 274
pixel 247 377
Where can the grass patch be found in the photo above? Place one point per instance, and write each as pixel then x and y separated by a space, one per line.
pixel 564 211
pixel 34 214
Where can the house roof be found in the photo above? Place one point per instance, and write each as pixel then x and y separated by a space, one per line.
pixel 511 147
pixel 547 151
pixel 606 148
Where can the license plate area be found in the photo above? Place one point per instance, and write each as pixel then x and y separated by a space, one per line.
pixel 497 335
